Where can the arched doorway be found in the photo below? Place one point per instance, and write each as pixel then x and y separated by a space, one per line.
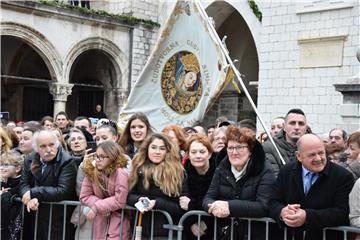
pixel 241 46
pixel 24 81
pixel 94 77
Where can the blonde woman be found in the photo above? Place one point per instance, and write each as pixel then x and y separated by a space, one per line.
pixel 104 191
pixel 5 141
pixel 157 174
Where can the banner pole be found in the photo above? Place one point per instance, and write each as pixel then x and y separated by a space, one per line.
pixel 238 76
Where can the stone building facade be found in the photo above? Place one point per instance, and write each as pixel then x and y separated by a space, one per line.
pixel 292 58
pixel 305 49
pixel 75 59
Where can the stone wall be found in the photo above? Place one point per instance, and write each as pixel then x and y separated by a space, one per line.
pixel 283 83
pixel 143 42
pixel 146 9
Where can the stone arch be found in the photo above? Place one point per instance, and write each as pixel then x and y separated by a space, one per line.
pixel 39 43
pixel 220 10
pixel 241 26
pixel 117 57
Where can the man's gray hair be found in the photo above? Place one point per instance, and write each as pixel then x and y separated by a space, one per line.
pixel 36 136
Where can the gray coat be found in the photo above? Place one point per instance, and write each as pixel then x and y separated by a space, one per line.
pixel 354 168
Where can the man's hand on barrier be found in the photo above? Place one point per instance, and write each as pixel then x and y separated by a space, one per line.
pixel 33 204
pixel 286 211
pixel 26 197
pixel 90 215
pixel 184 202
pixel 297 219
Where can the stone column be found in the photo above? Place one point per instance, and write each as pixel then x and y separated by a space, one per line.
pixel 60 92
pixel 115 98
pixel 350 109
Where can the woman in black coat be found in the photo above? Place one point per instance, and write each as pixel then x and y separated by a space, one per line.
pixel 199 171
pixel 241 183
pixel 157 174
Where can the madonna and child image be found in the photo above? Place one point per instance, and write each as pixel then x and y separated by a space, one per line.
pixel 181 82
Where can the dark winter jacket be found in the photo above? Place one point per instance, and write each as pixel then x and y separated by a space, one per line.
pixel 286 149
pixel 163 202
pixel 57 183
pixel 10 209
pixel 196 189
pixel 247 197
pixel 197 185
pixel 326 204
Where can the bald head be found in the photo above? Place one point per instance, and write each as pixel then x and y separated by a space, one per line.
pixel 306 139
pixel 311 152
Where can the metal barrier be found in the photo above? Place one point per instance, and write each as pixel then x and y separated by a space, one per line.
pixel 345 229
pixel 65 204
pixel 180 226
pixel 200 214
pixel 168 226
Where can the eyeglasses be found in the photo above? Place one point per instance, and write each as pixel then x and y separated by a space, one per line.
pixel 101 158
pixel 237 148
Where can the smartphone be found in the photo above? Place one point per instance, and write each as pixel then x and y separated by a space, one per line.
pixel 91 145
pixel 142 204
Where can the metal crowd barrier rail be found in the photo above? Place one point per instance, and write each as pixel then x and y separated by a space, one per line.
pixel 65 204
pixel 347 230
pixel 200 214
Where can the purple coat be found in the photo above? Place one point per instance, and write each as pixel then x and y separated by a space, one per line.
pixel 107 221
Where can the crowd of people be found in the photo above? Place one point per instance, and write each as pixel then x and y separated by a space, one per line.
pixel 223 169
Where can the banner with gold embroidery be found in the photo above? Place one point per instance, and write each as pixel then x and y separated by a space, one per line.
pixel 184 74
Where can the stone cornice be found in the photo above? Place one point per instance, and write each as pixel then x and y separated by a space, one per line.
pixel 40 9
pixel 347 87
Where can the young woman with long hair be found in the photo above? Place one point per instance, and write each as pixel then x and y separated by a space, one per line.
pixel 157 173
pixel 136 130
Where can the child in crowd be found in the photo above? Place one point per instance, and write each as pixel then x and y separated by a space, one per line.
pixel 104 191
pixel 11 165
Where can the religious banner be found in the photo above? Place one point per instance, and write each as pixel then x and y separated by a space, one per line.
pixel 184 74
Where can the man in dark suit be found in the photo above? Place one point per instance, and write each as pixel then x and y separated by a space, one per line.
pixel 312 193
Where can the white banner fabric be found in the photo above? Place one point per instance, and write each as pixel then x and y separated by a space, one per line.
pixel 184 73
